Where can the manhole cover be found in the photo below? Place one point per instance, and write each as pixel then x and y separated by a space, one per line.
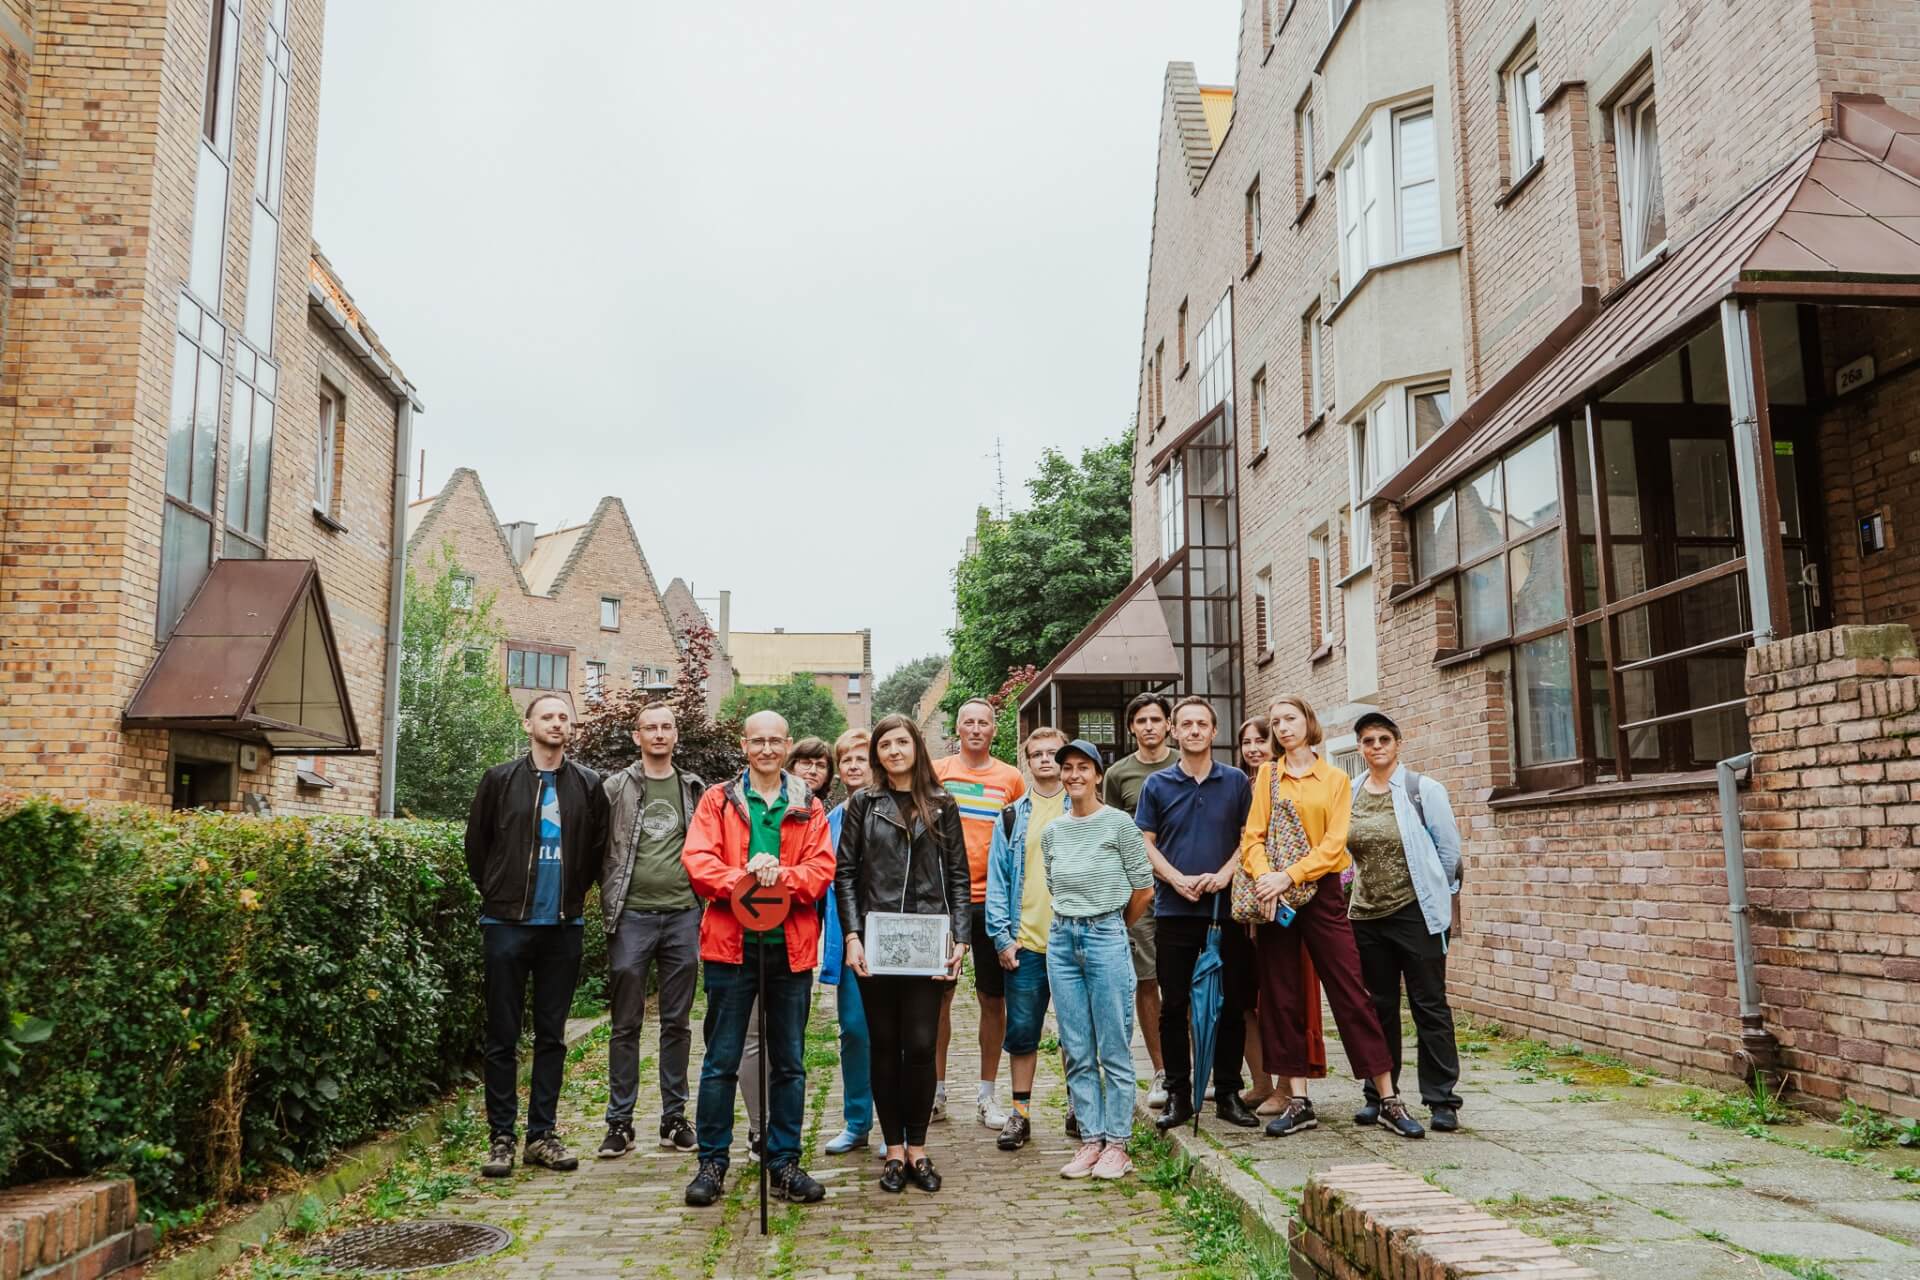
pixel 408 1246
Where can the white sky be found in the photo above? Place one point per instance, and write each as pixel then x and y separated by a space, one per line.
pixel 751 264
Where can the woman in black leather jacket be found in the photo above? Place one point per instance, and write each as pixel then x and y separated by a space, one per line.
pixel 901 851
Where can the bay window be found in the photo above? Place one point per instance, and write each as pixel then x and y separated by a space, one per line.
pixel 1389 191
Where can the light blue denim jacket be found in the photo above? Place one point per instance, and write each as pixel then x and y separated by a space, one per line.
pixel 1006 868
pixel 1433 849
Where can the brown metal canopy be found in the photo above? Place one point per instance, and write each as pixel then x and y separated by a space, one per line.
pixel 1840 220
pixel 253 657
pixel 1128 640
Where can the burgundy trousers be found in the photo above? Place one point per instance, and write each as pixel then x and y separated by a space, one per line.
pixel 1321 931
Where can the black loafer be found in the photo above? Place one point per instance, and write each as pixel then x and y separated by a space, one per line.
pixel 893 1178
pixel 1444 1120
pixel 925 1176
pixel 1229 1108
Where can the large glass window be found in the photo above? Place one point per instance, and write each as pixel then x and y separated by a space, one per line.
pixel 1389 189
pixel 270 157
pixel 207 247
pixel 249 454
pixel 193 440
pixel 1416 182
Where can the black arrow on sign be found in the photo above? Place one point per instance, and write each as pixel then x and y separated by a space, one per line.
pixel 753 902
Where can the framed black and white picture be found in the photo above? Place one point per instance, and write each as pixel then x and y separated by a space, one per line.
pixel 907 945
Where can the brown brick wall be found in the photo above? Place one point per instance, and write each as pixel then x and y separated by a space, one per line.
pixel 111 113
pixel 1833 870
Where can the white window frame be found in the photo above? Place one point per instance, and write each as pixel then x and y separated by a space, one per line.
pixel 1409 445
pixel 596 678
pixel 853 687
pixel 461 591
pixel 1409 186
pixel 327 449
pixel 604 602
pixel 1316 363
pixel 1303 131
pixel 1257 396
pixel 1263 612
pixel 1173 498
pixel 1320 552
pixel 1254 231
pixel 1636 179
pixel 1372 226
pixel 1526 126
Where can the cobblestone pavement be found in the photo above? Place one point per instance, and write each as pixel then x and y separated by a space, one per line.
pixel 999 1214
pixel 1611 1165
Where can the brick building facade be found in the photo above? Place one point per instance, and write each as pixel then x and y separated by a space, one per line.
pixel 168 333
pixel 1417 279
pixel 580 605
pixel 841 662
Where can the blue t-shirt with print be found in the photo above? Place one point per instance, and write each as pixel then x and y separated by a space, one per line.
pixel 545 907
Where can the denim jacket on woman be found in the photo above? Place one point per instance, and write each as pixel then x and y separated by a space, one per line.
pixel 1432 847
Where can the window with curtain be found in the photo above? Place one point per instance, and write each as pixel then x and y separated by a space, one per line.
pixel 1643 206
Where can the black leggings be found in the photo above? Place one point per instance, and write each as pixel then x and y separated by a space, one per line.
pixel 903 1020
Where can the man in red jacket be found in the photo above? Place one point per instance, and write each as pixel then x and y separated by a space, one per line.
pixel 767 824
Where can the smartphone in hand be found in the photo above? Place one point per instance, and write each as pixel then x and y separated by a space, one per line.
pixel 1282 913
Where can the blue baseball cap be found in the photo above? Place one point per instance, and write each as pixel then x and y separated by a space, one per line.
pixel 1081 747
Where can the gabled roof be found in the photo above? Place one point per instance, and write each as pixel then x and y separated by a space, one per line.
pixel 1844 213
pixel 1197 139
pixel 557 554
pixel 253 657
pixel 421 525
pixel 552 552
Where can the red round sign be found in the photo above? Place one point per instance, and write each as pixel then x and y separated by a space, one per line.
pixel 760 907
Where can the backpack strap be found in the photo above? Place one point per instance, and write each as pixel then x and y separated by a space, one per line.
pixel 1006 821
pixel 1413 794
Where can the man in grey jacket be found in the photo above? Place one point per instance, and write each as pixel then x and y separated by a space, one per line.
pixel 652 918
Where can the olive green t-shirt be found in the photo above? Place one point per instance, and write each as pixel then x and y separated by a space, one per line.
pixel 659 881
pixel 1121 785
pixel 1382 884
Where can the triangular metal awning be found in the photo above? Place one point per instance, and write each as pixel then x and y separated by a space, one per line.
pixel 1839 222
pixel 254 658
pixel 1128 640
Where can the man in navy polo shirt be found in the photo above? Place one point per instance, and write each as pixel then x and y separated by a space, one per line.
pixel 1191 815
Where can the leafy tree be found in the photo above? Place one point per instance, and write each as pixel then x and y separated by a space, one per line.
pixel 1042 574
pixel 900 692
pixel 809 709
pixel 456 720
pixel 1006 714
pixel 708 748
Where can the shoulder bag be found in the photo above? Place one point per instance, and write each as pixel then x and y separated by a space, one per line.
pixel 1287 843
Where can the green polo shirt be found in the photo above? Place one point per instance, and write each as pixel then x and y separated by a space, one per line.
pixel 763 836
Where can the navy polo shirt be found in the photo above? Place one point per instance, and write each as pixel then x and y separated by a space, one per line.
pixel 1196 825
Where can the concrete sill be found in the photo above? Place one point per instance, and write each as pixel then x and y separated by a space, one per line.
pixel 1602 792
pixel 1306 207
pixel 327 522
pixel 1519 184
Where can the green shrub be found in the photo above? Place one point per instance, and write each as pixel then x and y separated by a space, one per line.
pixel 226 993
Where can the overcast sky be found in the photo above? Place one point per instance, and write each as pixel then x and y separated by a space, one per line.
pixel 757 269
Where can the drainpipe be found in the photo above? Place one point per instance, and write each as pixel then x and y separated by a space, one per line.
pixel 396 602
pixel 1759 1054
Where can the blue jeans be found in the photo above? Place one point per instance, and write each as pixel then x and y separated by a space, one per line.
pixel 856 1063
pixel 731 989
pixel 1090 968
pixel 1026 1001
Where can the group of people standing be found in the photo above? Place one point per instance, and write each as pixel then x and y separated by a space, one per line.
pixel 1090 889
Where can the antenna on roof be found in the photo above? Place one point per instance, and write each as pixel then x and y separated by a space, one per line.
pixel 999 478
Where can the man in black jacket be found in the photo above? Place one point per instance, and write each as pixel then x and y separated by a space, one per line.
pixel 535 836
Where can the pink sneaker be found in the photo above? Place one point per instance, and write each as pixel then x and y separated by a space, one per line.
pixel 1083 1161
pixel 1113 1163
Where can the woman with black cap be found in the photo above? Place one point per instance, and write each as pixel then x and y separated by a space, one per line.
pixel 1101 881
pixel 1406 858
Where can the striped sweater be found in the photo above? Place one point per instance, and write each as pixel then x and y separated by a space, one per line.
pixel 1094 863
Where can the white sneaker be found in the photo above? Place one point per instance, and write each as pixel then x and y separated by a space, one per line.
pixel 1113 1163
pixel 1157 1096
pixel 1083 1161
pixel 988 1111
pixel 939 1108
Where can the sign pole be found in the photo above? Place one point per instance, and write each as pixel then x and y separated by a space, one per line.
pixel 766 1067
pixel 760 908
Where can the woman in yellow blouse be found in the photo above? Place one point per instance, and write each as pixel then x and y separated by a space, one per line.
pixel 1323 797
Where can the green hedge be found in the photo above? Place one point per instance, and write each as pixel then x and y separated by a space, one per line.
pixel 224 993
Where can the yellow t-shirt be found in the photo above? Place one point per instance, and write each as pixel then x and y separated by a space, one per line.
pixel 1036 904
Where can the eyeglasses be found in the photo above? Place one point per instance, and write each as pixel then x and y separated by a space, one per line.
pixel 766 744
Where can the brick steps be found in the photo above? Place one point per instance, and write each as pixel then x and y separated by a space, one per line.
pixel 1375 1222
pixel 71 1230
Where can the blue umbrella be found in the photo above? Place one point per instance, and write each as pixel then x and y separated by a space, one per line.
pixel 1206 999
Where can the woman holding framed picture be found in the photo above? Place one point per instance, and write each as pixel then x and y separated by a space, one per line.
pixel 904 888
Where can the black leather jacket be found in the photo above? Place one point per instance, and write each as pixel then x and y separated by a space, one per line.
pixel 881 869
pixel 503 836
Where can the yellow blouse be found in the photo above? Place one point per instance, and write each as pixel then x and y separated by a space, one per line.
pixel 1324 800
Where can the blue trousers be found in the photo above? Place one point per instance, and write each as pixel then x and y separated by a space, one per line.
pixel 731 989
pixel 856 1061
pixel 1090 968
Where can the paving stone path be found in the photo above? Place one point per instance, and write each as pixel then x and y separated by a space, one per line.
pixel 1000 1215
pixel 1609 1164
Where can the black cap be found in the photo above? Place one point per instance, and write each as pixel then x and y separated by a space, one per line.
pixel 1371 719
pixel 1081 747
